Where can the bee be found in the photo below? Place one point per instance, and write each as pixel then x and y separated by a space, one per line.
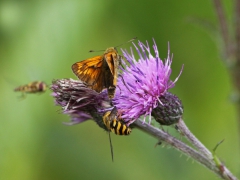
pixel 100 72
pixel 115 125
pixel 33 87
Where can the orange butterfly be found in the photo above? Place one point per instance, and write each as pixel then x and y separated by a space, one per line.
pixel 100 72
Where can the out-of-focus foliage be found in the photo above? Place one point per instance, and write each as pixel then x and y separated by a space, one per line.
pixel 40 40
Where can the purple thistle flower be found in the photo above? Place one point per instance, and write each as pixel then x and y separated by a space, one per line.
pixel 142 83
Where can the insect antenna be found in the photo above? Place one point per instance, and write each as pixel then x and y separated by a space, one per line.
pixel 116 46
pixel 127 42
pixel 96 51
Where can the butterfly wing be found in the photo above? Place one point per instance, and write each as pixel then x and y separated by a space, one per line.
pixel 90 72
pixel 111 72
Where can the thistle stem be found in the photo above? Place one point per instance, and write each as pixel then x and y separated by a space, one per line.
pixel 204 159
pixel 192 139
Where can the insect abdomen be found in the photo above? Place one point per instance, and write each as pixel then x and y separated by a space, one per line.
pixel 115 124
pixel 42 87
pixel 119 128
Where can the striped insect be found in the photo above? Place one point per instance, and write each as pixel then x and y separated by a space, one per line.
pixel 115 125
pixel 31 88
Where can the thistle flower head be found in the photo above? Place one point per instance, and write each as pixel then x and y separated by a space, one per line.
pixel 142 83
pixel 169 111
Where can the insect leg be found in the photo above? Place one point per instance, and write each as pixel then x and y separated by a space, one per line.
pixel 125 84
pixel 111 147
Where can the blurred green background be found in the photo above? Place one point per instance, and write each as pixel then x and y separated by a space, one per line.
pixel 40 40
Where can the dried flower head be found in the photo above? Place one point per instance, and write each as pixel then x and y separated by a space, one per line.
pixel 79 101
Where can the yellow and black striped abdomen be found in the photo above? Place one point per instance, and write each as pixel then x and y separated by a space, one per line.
pixel 119 128
pixel 116 125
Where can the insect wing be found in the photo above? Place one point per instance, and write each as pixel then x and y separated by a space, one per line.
pixel 112 114
pixel 90 72
pixel 111 72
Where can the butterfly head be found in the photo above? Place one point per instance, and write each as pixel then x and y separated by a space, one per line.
pixel 111 50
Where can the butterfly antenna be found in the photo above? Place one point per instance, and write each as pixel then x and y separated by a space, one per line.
pixel 116 46
pixel 111 147
pixel 96 51
pixel 127 41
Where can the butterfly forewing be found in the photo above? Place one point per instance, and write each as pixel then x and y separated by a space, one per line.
pixel 90 72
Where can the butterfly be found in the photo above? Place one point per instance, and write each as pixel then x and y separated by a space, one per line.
pixel 100 72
